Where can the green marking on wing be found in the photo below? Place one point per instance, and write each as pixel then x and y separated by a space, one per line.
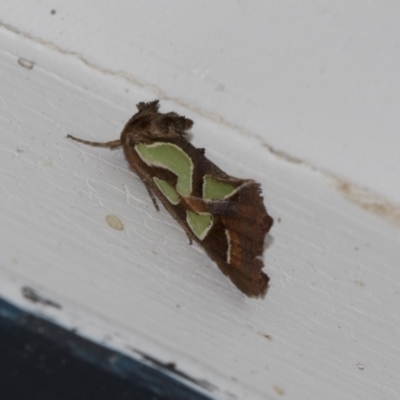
pixel 216 190
pixel 167 190
pixel 200 224
pixel 171 157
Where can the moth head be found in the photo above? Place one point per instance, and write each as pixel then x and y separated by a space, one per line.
pixel 173 124
pixel 149 124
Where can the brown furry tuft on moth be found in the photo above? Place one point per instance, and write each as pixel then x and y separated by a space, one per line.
pixel 223 214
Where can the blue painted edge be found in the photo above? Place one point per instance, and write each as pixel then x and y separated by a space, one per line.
pixel 157 378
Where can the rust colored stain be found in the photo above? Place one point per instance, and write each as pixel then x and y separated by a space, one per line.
pixel 370 201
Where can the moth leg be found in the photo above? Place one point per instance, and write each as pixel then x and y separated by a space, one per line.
pixel 190 239
pixel 189 235
pixel 112 145
pixel 153 198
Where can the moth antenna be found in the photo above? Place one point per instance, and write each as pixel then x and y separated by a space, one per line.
pixel 112 145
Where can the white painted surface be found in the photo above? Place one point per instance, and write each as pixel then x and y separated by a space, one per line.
pixel 317 80
pixel 333 305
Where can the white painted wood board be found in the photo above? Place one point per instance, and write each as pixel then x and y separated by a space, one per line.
pixel 329 326
pixel 317 80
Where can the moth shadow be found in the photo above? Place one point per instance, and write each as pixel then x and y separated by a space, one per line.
pixel 268 241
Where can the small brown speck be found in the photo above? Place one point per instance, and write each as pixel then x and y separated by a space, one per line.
pixel 269 337
pixel 279 219
pixel 52 12
pixel 26 63
pixel 278 390
pixel 178 306
pixel 360 283
pixel 114 222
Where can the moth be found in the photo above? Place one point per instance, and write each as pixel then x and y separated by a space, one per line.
pixel 223 214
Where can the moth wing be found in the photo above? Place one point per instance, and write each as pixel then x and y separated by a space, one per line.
pixel 236 241
pixel 248 224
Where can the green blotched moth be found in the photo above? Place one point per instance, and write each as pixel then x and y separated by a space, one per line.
pixel 225 215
